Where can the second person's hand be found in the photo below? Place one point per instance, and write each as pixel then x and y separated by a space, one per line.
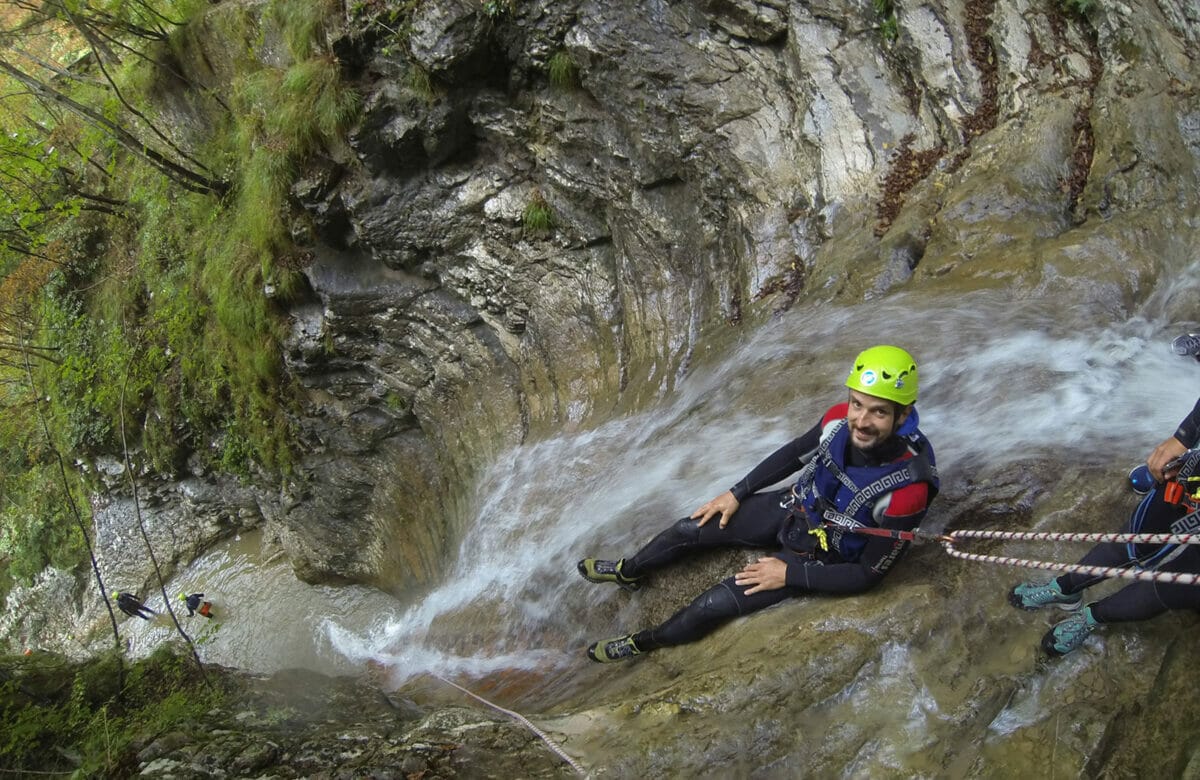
pixel 1163 454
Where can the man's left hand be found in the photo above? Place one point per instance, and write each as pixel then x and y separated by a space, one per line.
pixel 763 574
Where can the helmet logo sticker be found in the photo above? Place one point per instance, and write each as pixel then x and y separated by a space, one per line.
pixel 868 378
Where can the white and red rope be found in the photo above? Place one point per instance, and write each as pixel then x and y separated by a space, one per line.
pixel 1131 573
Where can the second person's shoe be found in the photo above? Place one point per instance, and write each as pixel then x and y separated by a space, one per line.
pixel 1070 633
pixel 1187 344
pixel 1033 595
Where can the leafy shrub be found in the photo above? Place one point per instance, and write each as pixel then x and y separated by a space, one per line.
pixel 83 718
pixel 889 26
pixel 36 527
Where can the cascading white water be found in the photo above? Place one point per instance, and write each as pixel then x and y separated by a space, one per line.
pixel 1001 380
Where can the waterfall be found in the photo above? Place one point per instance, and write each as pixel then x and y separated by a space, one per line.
pixel 1001 380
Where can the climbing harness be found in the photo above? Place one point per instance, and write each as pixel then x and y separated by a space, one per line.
pixel 834 522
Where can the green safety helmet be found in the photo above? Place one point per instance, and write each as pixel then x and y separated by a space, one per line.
pixel 885 372
pixel 116 595
pixel 183 596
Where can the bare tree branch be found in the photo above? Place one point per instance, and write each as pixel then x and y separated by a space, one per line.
pixel 182 175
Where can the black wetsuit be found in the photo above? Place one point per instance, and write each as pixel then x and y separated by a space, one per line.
pixel 1142 600
pixel 765 520
pixel 130 605
pixel 1188 432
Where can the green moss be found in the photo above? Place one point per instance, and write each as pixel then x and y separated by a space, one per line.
pixel 36 527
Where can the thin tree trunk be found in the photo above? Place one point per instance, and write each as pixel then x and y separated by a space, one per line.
pixel 87 540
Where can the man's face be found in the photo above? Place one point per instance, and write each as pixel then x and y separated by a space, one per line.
pixel 872 420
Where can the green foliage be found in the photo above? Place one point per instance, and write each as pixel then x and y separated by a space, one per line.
pixel 303 24
pixel 95 683
pixel 29 733
pixel 167 669
pixel 282 117
pixel 889 26
pixel 393 18
pixel 538 217
pixel 420 82
pixel 1080 8
pixel 191 332
pixel 36 527
pixel 85 388
pixel 93 717
pixel 32 198
pixel 166 303
pixel 395 401
pixel 498 8
pixel 562 71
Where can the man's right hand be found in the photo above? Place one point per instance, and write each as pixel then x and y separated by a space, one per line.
pixel 1163 454
pixel 724 505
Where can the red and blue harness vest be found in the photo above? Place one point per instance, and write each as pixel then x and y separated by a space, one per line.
pixel 837 496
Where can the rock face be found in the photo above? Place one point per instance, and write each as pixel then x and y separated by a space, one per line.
pixel 698 165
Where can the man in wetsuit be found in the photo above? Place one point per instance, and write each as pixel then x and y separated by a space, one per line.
pixel 864 465
pixel 131 605
pixel 1138 600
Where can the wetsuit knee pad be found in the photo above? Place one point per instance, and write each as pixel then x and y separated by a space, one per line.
pixel 686 530
pixel 709 610
pixel 718 603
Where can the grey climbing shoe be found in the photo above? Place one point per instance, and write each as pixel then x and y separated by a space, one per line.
pixel 597 570
pixel 609 650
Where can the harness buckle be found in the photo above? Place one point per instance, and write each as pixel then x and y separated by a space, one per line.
pixel 791 499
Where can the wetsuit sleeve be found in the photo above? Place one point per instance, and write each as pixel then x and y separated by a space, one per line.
pixel 1188 432
pixel 781 463
pixel 904 510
